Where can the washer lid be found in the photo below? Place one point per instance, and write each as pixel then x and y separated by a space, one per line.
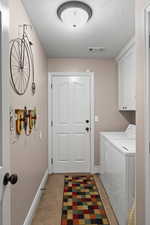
pixel 127 147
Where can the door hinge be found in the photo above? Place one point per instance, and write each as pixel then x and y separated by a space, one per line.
pixel 52 161
pixel 51 123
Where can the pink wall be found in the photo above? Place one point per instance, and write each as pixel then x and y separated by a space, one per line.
pixel 29 155
pixel 106 93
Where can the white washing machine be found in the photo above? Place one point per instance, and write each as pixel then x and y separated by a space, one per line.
pixel 117 151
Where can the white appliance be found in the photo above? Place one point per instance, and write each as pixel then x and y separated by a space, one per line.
pixel 117 152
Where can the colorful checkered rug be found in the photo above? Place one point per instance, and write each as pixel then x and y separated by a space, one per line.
pixel 82 203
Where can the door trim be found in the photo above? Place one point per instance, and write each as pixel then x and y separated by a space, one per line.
pixel 50 144
pixel 147 115
pixel 5 105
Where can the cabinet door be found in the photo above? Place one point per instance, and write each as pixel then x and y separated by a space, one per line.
pixel 130 89
pixel 122 84
pixel 127 81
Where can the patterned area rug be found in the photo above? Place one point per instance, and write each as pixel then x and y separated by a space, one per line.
pixel 82 203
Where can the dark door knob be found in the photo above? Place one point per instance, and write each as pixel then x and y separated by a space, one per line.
pixel 12 179
pixel 87 129
pixel 87 121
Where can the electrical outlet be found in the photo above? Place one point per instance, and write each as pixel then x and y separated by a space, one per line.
pixel 96 119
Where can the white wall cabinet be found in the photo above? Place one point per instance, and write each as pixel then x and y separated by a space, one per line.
pixel 127 81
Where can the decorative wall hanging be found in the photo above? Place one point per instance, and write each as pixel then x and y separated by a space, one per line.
pixel 25 121
pixel 13 137
pixel 22 63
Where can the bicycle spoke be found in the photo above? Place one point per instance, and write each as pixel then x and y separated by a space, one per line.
pixel 15 70
pixel 26 64
pixel 27 75
pixel 13 62
pixel 21 65
pixel 17 53
pixel 15 66
pixel 16 80
pixel 19 84
pixel 27 72
pixel 16 84
pixel 26 79
pixel 19 50
pixel 25 83
pixel 16 73
pixel 15 58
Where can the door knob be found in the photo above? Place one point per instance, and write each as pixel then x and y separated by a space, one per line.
pixel 12 179
pixel 87 129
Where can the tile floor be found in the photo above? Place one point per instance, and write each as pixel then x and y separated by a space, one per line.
pixel 50 207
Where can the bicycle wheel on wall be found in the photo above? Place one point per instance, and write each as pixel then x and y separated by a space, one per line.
pixel 19 66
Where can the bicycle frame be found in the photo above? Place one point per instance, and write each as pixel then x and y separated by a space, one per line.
pixel 25 41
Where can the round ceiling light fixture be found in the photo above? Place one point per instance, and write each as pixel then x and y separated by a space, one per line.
pixel 74 13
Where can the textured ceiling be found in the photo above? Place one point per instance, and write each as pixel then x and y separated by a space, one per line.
pixel 111 27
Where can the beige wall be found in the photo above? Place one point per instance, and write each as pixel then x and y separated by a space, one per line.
pixel 29 154
pixel 140 66
pixel 106 93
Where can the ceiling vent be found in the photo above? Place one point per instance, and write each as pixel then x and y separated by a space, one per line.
pixel 96 49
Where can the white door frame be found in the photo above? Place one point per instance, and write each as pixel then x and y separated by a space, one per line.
pixel 50 145
pixel 147 117
pixel 5 105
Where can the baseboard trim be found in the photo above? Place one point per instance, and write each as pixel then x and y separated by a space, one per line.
pixel 96 169
pixel 34 205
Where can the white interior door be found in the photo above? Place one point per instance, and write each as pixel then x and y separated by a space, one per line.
pixel 4 114
pixel 71 124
